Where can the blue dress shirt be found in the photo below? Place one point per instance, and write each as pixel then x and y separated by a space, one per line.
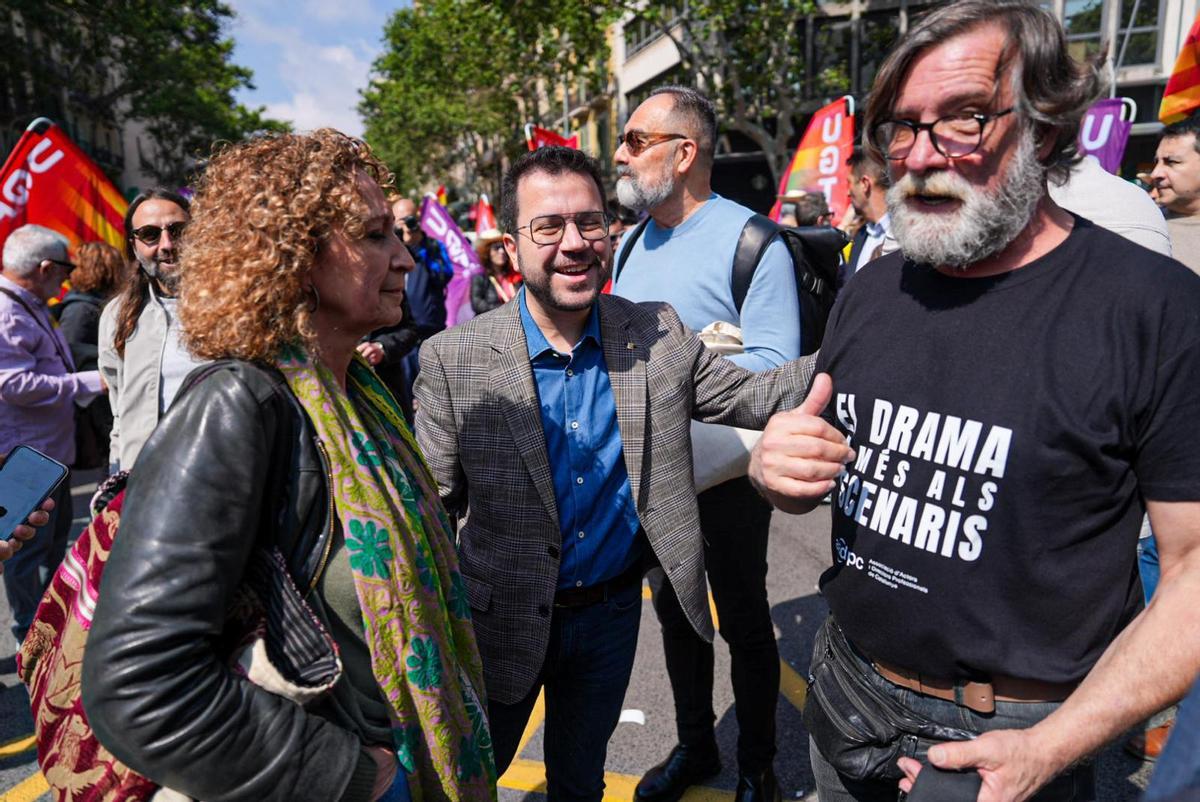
pixel 596 513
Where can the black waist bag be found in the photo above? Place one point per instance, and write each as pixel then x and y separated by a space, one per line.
pixel 859 729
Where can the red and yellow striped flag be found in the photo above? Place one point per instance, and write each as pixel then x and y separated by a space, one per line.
pixel 1182 95
pixel 48 180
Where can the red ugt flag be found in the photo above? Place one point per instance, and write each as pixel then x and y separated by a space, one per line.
pixel 48 180
pixel 1182 95
pixel 820 161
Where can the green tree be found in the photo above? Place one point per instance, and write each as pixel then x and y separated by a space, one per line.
pixel 458 79
pixel 747 55
pixel 165 63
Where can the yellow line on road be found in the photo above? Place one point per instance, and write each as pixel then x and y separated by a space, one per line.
pixel 792 686
pixel 18 746
pixel 27 790
pixel 530 776
pixel 536 716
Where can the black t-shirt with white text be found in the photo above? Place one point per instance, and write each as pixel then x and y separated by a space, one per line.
pixel 1007 430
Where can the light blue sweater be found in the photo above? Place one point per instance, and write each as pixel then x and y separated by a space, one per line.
pixel 690 267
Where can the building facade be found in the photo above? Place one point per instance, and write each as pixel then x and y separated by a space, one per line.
pixel 842 46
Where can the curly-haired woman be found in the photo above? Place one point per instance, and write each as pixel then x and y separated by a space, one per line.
pixel 289 443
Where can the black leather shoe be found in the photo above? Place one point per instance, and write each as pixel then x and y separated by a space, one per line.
pixel 757 788
pixel 683 768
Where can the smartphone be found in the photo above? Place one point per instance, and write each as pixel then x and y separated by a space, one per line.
pixel 27 478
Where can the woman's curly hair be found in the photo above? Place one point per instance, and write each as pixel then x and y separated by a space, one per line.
pixel 261 212
pixel 99 269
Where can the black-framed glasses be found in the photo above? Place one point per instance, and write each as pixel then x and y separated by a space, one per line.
pixel 60 263
pixel 637 141
pixel 150 235
pixel 953 136
pixel 548 229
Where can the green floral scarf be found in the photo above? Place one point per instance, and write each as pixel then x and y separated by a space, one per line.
pixel 414 604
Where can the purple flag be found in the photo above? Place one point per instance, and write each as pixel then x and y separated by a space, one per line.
pixel 1103 133
pixel 437 223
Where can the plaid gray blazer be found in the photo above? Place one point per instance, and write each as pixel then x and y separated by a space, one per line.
pixel 480 426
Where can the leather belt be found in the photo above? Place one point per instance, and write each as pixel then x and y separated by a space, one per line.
pixel 974 695
pixel 594 594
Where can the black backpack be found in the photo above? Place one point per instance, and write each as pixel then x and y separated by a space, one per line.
pixel 816 253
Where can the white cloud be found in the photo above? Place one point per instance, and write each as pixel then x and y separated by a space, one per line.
pixel 341 10
pixel 308 75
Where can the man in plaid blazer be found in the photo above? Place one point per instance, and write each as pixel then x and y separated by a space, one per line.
pixel 561 423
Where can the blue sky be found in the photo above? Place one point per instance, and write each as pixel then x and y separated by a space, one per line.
pixel 310 57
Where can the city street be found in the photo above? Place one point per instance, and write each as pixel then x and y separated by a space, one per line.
pixel 647 732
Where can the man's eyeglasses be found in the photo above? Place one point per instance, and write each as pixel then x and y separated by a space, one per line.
pixel 953 136
pixel 637 141
pixel 69 266
pixel 549 228
pixel 149 235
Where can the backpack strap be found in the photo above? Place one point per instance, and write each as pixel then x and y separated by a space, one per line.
pixel 752 244
pixel 626 249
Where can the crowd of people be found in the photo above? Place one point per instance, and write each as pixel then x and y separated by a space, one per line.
pixel 1004 402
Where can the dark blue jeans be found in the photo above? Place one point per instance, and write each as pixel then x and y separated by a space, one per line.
pixel 587 668
pixel 1177 776
pixel 1077 785
pixel 28 572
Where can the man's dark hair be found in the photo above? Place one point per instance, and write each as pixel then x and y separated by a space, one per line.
pixel 1188 125
pixel 810 207
pixel 1051 89
pixel 866 161
pixel 552 159
pixel 137 286
pixel 698 114
pixel 157 193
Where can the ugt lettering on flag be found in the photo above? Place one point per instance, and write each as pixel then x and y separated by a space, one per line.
pixel 820 161
pixel 48 180
pixel 437 223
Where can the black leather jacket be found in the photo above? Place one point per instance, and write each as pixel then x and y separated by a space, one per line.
pixel 234 463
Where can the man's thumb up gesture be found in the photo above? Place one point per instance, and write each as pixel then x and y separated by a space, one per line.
pixel 800 455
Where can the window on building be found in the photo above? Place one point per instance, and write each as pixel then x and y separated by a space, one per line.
pixel 879 34
pixel 634 98
pixel 1142 31
pixel 1082 20
pixel 831 56
pixel 640 32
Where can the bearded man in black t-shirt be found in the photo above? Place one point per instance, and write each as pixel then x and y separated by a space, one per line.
pixel 1003 399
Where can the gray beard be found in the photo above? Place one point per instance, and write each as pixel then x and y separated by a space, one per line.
pixel 636 196
pixel 986 221
pixel 169 281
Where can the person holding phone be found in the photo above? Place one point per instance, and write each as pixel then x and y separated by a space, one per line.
pixel 25 531
pixel 291 443
pixel 39 390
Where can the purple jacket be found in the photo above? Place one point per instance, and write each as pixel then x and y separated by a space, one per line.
pixel 38 382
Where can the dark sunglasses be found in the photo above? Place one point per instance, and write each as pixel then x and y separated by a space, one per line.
pixel 150 235
pixel 59 263
pixel 637 141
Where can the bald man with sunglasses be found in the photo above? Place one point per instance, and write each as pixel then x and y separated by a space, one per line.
pixel 141 355
pixel 684 255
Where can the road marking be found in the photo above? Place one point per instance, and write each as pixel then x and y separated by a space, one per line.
pixel 530 776
pixel 18 746
pixel 26 791
pixel 792 686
